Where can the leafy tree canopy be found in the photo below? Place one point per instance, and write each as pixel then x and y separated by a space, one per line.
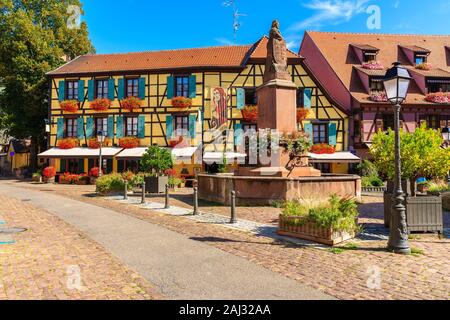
pixel 156 160
pixel 34 37
pixel 421 151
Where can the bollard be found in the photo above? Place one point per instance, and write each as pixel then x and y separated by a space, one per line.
pixel 125 192
pixel 143 193
pixel 195 201
pixel 233 207
pixel 167 206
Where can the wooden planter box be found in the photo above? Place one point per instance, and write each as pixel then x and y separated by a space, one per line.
pixel 423 213
pixel 309 231
pixel 156 184
pixel 48 180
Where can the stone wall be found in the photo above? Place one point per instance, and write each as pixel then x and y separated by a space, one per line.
pixel 266 190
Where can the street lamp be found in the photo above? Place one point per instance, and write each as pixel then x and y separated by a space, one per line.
pixel 396 84
pixel 101 139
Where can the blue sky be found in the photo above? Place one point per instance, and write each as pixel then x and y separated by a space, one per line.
pixel 140 25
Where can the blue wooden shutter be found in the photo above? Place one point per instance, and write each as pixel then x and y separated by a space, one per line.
pixel 193 126
pixel 238 134
pixel 170 87
pixel 120 127
pixel 60 129
pixel 309 131
pixel 169 127
pixel 332 134
pixel 192 87
pixel 111 89
pixel 91 90
pixel 240 98
pixel 62 166
pixel 80 128
pixel 307 93
pixel 121 89
pixel 89 127
pixel 62 91
pixel 111 127
pixel 141 127
pixel 81 94
pixel 142 88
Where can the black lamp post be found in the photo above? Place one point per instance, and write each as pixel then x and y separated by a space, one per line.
pixel 396 84
pixel 101 139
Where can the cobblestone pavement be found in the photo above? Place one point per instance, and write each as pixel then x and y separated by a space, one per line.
pixel 363 270
pixel 44 262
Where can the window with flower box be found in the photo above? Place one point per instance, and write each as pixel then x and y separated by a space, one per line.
pixel 420 58
pixel 72 90
pixel 71 128
pixel 376 84
pixel 101 89
pixel 132 87
pixel 101 126
pixel 438 86
pixel 182 86
pixel 131 127
pixel 251 98
pixel 369 56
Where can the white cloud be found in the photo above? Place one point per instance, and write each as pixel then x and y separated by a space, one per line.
pixel 224 41
pixel 330 11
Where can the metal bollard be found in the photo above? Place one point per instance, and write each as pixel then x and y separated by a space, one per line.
pixel 167 206
pixel 143 193
pixel 233 207
pixel 125 192
pixel 195 201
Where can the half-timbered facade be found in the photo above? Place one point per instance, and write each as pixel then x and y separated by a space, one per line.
pixel 156 79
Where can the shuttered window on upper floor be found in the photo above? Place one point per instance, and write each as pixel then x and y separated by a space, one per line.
pixel 72 90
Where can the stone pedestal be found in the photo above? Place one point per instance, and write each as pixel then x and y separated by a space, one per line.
pixel 277 104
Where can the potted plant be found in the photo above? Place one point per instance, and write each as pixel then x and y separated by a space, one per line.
pixel 94 144
pixel 68 143
pixel 424 66
pixel 328 222
pixel 182 183
pixel 250 113
pixel 131 103
pixel 129 142
pixel 82 180
pixel 323 148
pixel 156 161
pixel 49 174
pixel 296 143
pixel 69 106
pixel 94 174
pixel 181 102
pixel 302 113
pixel 66 178
pixel 101 104
pixel 438 187
pixel 37 177
pixel 175 141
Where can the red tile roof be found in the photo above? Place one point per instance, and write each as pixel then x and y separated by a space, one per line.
pixel 335 49
pixel 211 57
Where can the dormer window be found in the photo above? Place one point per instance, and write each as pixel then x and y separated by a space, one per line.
pixel 369 56
pixel 420 58
pixel 376 84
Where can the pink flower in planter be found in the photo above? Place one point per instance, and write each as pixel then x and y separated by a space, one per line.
pixel 438 97
pixel 378 96
pixel 373 65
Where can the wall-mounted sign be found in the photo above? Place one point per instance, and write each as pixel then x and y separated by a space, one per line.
pixel 218 107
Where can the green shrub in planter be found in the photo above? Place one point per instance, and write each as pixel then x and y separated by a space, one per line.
pixel 110 183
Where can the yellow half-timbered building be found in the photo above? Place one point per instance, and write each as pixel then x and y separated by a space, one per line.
pixel 219 82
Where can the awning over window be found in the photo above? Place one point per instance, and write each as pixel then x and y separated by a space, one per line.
pixel 131 154
pixel 79 153
pixel 184 153
pixel 217 157
pixel 338 157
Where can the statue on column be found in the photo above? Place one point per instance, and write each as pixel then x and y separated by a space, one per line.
pixel 276 64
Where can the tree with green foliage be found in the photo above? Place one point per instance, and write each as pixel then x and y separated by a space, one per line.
pixel 156 160
pixel 421 151
pixel 34 38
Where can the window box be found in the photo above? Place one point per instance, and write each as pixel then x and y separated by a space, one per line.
pixel 323 149
pixel 68 143
pixel 131 103
pixel 129 142
pixel 250 113
pixel 373 65
pixel 100 104
pixel 69 106
pixel 378 96
pixel 181 102
pixel 94 144
pixel 302 228
pixel 302 114
pixel 424 66
pixel 438 97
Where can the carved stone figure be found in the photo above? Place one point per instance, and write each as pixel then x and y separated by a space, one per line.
pixel 276 64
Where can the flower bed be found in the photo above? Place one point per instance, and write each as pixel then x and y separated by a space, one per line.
pixel 378 96
pixel 373 65
pixel 250 113
pixel 323 149
pixel 69 106
pixel 68 143
pixel 100 104
pixel 129 142
pixel 181 102
pixel 438 97
pixel 329 223
pixel 94 172
pixel 131 103
pixel 302 113
pixel 78 179
pixel 424 66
